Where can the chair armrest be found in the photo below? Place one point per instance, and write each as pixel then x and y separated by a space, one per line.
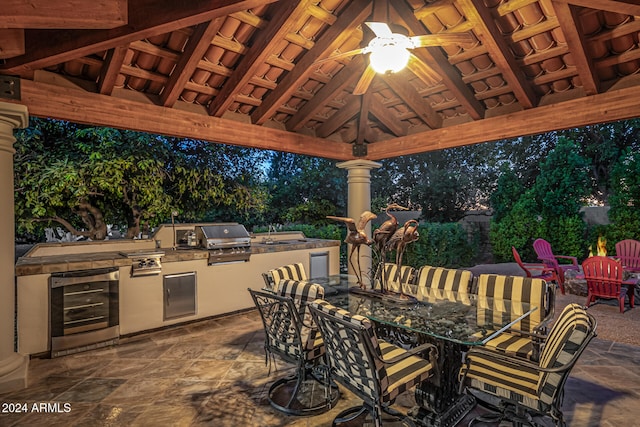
pixel 573 259
pixel 433 354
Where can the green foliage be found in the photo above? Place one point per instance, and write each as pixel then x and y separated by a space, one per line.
pixel 625 197
pixel 506 194
pixel 567 235
pixel 518 228
pixel 549 210
pixel 304 189
pixel 441 245
pixel 91 176
pixel 311 212
pixel 563 183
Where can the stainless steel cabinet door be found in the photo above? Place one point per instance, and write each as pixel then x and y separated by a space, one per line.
pixel 179 295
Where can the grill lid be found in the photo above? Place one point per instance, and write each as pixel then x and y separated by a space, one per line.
pixel 228 234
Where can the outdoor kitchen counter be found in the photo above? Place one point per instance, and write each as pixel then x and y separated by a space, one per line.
pixel 30 265
pixel 207 289
pixel 291 245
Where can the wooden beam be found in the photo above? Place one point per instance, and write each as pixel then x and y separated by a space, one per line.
pixel 417 103
pixel 193 52
pixel 567 17
pixel 11 43
pixel 601 108
pixel 363 117
pixel 111 68
pixel 625 7
pixel 388 119
pixel 339 118
pixel 334 36
pixel 147 18
pixel 66 14
pixel 347 75
pixel 488 32
pixel 285 16
pixel 65 103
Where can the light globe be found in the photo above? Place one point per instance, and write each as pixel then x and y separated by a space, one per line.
pixel 388 58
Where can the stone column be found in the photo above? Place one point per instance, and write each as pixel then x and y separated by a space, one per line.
pixel 13 366
pixel 359 200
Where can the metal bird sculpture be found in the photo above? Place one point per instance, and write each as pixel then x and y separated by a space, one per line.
pixel 383 233
pixel 381 236
pixel 400 239
pixel 356 237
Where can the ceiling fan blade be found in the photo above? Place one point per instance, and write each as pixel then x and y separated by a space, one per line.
pixel 441 39
pixel 423 71
pixel 365 81
pixel 380 29
pixel 341 55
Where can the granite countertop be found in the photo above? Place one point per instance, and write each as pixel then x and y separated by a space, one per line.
pixel 30 265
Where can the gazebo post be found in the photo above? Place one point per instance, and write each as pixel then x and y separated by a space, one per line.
pixel 13 366
pixel 359 200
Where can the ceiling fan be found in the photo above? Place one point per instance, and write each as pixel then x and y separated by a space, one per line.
pixel 390 51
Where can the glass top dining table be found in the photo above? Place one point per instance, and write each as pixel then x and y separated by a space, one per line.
pixel 463 318
pixel 451 321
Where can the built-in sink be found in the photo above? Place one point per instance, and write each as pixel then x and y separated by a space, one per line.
pixel 275 242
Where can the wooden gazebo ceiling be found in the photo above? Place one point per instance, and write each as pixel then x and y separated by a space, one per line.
pixel 245 72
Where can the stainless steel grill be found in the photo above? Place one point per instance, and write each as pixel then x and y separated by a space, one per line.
pixel 226 242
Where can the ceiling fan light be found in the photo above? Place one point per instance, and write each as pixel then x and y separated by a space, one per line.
pixel 388 58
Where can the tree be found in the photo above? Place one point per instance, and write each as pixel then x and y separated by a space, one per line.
pixel 305 189
pixel 625 197
pixel 603 144
pixel 549 210
pixel 85 177
pixel 564 182
pixel 445 184
pixel 508 191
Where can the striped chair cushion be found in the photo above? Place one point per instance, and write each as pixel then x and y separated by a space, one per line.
pixel 525 383
pixel 395 278
pixel 517 290
pixel 501 378
pixel 569 332
pixel 361 370
pixel 491 310
pixel 442 283
pixel 291 271
pixel 303 293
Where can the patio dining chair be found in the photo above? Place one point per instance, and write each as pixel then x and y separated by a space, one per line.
pixel 548 258
pixel 309 390
pixel 443 283
pixel 396 279
pixel 526 337
pixel 604 280
pixel 374 370
pixel 273 277
pixel 522 391
pixel 628 252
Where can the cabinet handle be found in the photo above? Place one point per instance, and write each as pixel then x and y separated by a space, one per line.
pixel 168 295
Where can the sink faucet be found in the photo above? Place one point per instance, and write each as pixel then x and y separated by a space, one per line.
pixel 269 240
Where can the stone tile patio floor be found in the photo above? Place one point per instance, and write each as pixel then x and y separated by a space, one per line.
pixel 213 373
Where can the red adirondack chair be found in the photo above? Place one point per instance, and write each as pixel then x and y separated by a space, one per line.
pixel 545 254
pixel 628 252
pixel 538 271
pixel 604 280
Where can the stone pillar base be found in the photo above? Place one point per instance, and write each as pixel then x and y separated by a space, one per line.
pixel 13 373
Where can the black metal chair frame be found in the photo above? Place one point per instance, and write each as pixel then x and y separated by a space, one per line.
pixel 504 408
pixel 358 334
pixel 283 337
